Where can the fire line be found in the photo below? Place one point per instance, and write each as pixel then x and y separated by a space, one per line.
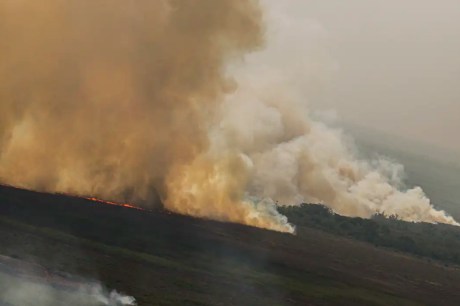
pixel 127 205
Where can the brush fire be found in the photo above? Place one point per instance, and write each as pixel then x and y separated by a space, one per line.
pixel 134 101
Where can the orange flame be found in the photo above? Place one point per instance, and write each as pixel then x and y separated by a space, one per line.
pixel 127 205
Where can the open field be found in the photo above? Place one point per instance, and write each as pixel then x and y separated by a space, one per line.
pixel 167 259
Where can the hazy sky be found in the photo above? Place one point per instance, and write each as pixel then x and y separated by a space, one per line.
pixel 387 64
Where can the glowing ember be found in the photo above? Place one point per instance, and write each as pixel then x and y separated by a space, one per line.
pixel 127 205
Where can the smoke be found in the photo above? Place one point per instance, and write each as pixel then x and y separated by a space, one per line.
pixel 115 98
pixel 27 283
pixel 135 101
pixel 296 159
pixel 296 156
pixel 19 291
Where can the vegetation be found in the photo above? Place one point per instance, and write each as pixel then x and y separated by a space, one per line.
pixel 435 241
pixel 167 259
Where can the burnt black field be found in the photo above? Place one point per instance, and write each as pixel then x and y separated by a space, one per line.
pixel 162 258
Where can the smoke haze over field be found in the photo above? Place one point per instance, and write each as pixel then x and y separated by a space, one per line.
pixel 32 290
pixel 130 101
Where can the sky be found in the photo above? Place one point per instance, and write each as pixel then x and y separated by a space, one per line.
pixel 386 65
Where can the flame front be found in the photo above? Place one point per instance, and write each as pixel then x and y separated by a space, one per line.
pixel 214 187
pixel 127 205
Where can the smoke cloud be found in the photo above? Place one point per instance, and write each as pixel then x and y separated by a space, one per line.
pixel 32 290
pixel 135 101
pixel 296 159
pixel 115 98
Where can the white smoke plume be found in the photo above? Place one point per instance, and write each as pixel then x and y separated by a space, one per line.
pixel 295 158
pixel 31 290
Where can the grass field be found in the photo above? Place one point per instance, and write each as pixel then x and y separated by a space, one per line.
pixel 167 259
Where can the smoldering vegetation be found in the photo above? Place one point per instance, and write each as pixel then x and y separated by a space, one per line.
pixel 25 290
pixel 24 282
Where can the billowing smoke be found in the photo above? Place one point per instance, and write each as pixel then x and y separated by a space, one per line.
pixel 296 159
pixel 114 98
pixel 133 101
pixel 295 156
